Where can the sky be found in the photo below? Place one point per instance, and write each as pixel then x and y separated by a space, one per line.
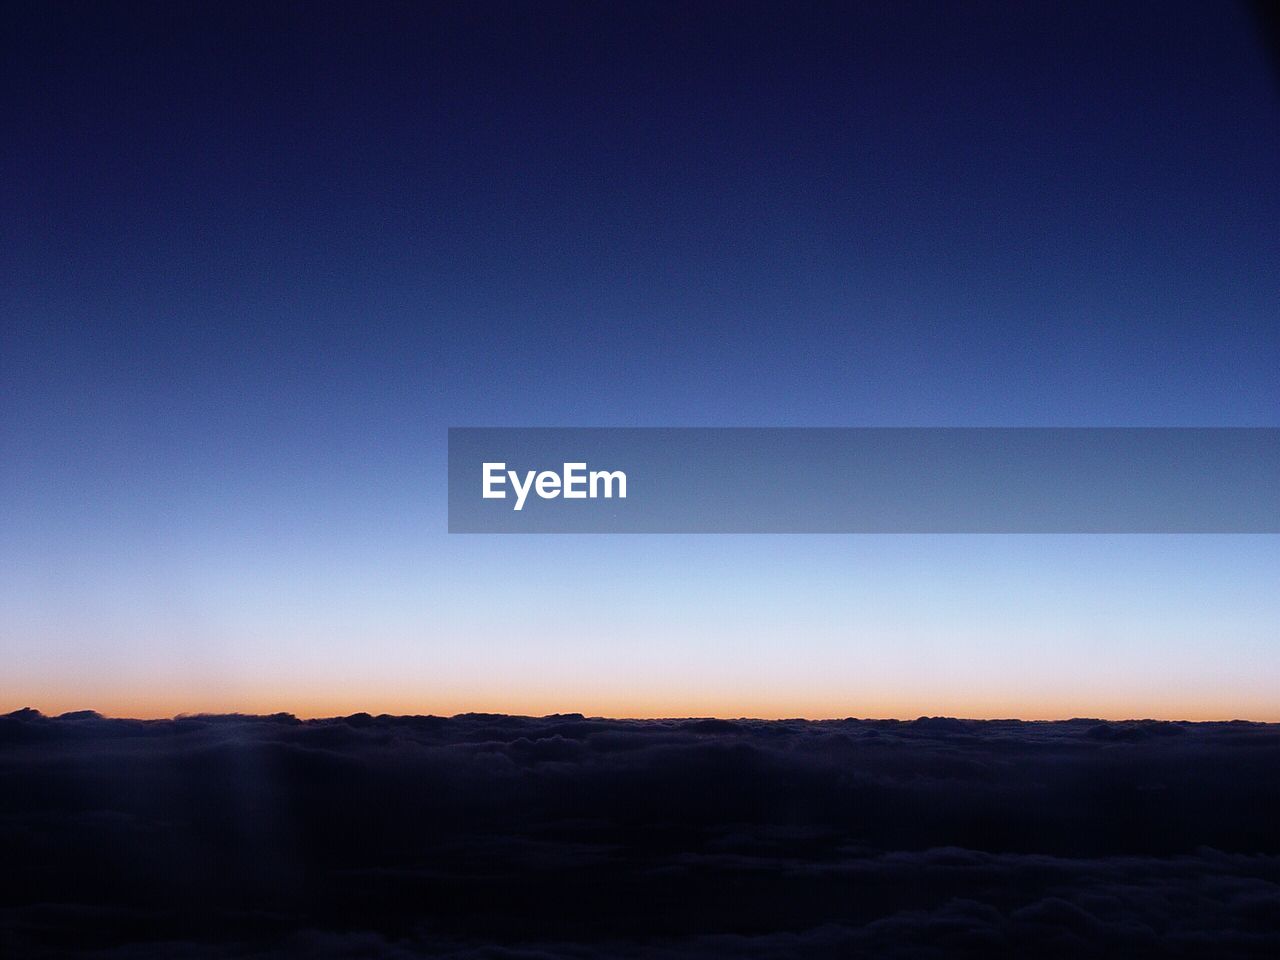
pixel 256 262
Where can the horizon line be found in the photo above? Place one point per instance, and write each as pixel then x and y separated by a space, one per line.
pixel 89 713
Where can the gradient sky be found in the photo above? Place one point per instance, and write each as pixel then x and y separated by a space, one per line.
pixel 256 261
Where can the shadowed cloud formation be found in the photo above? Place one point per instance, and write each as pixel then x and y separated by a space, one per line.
pixel 563 836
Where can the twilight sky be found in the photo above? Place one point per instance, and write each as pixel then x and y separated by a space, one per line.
pixel 255 262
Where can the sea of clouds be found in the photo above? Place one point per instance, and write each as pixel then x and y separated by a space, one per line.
pixel 514 837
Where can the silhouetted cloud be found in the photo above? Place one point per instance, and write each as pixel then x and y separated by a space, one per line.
pixel 565 836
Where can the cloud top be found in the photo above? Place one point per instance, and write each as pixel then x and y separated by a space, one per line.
pixel 495 836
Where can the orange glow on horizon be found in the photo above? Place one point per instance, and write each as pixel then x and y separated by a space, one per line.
pixel 146 705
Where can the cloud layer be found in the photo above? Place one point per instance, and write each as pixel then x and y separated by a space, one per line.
pixel 497 836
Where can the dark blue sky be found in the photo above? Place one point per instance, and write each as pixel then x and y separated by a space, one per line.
pixel 257 258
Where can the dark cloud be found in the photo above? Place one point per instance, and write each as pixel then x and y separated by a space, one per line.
pixel 566 836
